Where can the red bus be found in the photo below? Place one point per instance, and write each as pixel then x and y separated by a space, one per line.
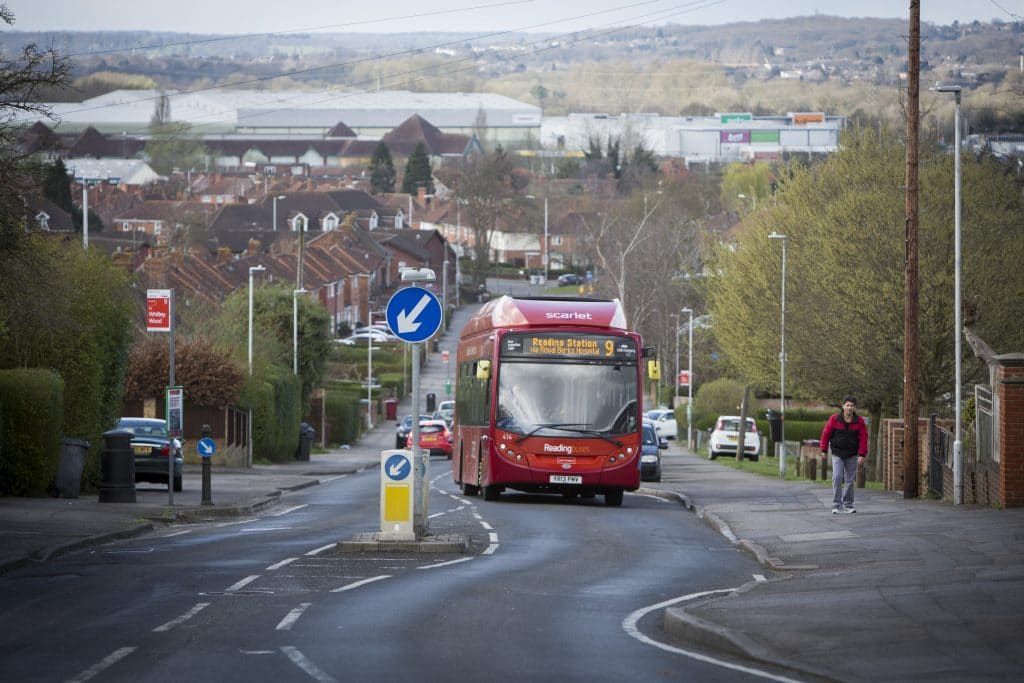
pixel 548 399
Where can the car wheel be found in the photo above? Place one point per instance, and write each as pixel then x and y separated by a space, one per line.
pixel 613 499
pixel 712 455
pixel 753 458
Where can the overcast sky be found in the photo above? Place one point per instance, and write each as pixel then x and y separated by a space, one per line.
pixel 556 16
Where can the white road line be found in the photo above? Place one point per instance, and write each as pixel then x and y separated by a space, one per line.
pixel 321 549
pixel 446 564
pixel 105 663
pixel 759 578
pixel 357 584
pixel 243 583
pixel 183 618
pixel 490 549
pixel 330 479
pixel 476 515
pixel 178 533
pixel 280 564
pixel 438 514
pixel 645 495
pixel 485 525
pixel 314 672
pixel 289 509
pixel 236 522
pixel 629 625
pixel 493 537
pixel 293 616
pixel 261 529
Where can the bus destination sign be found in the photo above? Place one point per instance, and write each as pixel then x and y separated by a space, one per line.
pixel 568 345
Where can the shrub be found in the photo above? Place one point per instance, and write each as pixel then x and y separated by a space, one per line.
pixel 274 397
pixel 343 423
pixel 718 397
pixel 31 411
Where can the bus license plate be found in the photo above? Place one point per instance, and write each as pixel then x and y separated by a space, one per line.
pixel 565 479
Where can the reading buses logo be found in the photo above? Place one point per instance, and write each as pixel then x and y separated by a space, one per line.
pixel 560 448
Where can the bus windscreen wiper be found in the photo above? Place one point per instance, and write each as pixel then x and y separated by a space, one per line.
pixel 581 427
pixel 564 426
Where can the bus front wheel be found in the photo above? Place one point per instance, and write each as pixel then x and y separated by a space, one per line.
pixel 613 499
pixel 470 490
pixel 491 492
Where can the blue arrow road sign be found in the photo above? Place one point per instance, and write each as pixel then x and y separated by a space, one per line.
pixel 206 447
pixel 414 314
pixel 397 467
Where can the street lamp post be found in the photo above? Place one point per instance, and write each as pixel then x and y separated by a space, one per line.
pixel 248 437
pixel 276 197
pixel 547 248
pixel 958 455
pixel 369 360
pixel 295 329
pixel 675 389
pixel 782 350
pixel 689 378
pixel 253 269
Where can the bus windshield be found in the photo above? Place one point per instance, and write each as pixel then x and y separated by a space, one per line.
pixel 567 399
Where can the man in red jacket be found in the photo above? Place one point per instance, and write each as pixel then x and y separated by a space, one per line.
pixel 846 433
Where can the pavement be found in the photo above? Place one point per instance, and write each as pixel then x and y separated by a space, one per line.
pixel 903 590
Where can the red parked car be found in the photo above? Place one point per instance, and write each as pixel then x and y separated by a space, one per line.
pixel 434 437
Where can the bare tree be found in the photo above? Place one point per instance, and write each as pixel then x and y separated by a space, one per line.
pixel 21 78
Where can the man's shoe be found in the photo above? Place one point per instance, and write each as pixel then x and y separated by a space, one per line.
pixel 849 510
pixel 835 510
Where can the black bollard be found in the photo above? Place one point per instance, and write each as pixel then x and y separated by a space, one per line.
pixel 117 468
pixel 206 432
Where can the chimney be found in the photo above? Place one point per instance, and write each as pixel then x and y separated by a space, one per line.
pixel 224 255
pixel 421 194
pixel 253 247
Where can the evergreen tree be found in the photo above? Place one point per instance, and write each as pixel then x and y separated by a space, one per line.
pixel 57 185
pixel 418 172
pixel 382 170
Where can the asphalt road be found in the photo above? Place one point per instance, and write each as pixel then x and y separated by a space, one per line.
pixel 550 589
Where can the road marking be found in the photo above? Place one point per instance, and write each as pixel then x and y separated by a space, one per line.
pixel 629 624
pixel 293 616
pixel 281 564
pixel 759 578
pixel 438 514
pixel 491 549
pixel 289 509
pixel 328 480
pixel 818 536
pixel 236 522
pixel 647 495
pixel 258 529
pixel 183 618
pixel 105 663
pixel 299 659
pixel 320 549
pixel 178 533
pixel 357 584
pixel 243 583
pixel 486 526
pixel 445 564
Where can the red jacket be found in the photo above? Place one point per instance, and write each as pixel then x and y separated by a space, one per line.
pixel 845 438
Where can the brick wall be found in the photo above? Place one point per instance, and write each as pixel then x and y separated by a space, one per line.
pixel 1010 391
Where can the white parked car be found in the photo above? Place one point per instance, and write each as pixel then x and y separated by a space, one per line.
pixel 664 420
pixel 726 433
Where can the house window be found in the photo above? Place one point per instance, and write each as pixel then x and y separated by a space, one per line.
pixel 556 240
pixel 156 228
pixel 43 219
pixel 330 223
pixel 300 222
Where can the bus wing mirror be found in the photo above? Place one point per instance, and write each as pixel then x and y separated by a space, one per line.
pixel 653 369
pixel 483 370
pixel 650 351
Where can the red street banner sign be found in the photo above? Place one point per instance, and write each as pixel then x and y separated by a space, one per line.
pixel 684 378
pixel 158 310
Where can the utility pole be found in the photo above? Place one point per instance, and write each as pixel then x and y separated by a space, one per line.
pixel 911 342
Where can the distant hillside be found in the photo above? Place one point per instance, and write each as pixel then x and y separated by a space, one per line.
pixel 846 66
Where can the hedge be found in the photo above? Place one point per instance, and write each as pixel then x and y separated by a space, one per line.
pixel 275 399
pixel 343 416
pixel 31 416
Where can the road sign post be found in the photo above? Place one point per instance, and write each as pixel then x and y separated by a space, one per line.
pixel 397 491
pixel 414 315
pixel 206 447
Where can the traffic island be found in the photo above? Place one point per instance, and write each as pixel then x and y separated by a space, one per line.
pixel 376 542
